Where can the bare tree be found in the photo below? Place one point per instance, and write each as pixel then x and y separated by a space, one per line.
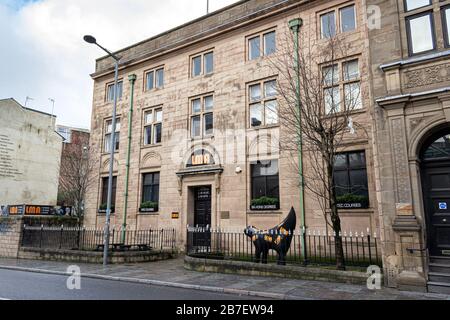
pixel 319 120
pixel 76 167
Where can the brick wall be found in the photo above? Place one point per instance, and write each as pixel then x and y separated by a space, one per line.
pixel 10 231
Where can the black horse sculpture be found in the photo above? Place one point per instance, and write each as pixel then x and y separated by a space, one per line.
pixel 278 238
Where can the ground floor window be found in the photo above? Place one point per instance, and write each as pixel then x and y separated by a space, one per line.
pixel 350 180
pixel 104 199
pixel 265 185
pixel 150 192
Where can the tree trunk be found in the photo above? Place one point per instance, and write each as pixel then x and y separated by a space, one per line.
pixel 335 219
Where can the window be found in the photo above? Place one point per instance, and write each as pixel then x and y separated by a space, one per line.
pixel 110 91
pixel 155 79
pixel 105 192
pixel 350 179
pixel 328 25
pixel 66 133
pixel 414 4
pixel 420 30
pixel 263 106
pixel 348 83
pixel 202 64
pixel 257 49
pixel 348 18
pixel 446 24
pixel 202 117
pixel 108 132
pixel 264 179
pixel 150 187
pixel 153 126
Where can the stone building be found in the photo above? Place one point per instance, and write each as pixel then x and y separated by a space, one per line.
pixel 409 55
pixel 201 123
pixel 30 151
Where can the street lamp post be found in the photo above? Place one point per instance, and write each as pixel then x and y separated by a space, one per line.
pixel 295 25
pixel 92 40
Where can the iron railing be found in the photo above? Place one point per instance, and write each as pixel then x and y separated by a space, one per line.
pixel 91 239
pixel 360 249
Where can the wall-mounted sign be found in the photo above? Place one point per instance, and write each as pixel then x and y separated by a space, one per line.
pixel 175 215
pixel 30 210
pixel 16 210
pixel 200 157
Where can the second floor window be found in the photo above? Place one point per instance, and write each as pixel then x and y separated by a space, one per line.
pixel 155 79
pixel 263 107
pixel 202 64
pixel 202 117
pixel 420 30
pixel 153 126
pixel 108 133
pixel 262 45
pixel 110 91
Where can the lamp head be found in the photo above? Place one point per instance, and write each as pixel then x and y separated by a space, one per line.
pixel 89 39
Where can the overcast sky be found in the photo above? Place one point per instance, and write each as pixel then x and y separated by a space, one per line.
pixel 42 54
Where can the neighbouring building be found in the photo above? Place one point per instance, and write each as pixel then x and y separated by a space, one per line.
pixel 74 168
pixel 30 150
pixel 409 55
pixel 205 111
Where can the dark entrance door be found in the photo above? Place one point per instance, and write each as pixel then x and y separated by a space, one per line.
pixel 436 194
pixel 202 215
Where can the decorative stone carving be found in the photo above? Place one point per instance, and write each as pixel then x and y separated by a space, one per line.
pixel 427 76
pixel 400 161
pixel 151 160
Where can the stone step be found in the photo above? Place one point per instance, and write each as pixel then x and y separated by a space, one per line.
pixel 440 260
pixel 439 277
pixel 439 267
pixel 439 287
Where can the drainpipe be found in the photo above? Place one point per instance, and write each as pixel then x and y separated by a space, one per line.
pixel 295 25
pixel 132 79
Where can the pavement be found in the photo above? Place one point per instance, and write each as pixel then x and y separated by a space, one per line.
pixel 171 273
pixel 23 285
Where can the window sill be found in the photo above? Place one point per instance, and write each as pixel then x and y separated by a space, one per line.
pixel 153 90
pixel 108 153
pixel 209 137
pixel 201 76
pixel 271 126
pixel 149 146
pixel 264 212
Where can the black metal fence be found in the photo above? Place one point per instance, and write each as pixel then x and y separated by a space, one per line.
pixel 360 249
pixel 90 239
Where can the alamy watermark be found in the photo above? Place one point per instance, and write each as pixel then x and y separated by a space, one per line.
pixel 374 280
pixel 74 280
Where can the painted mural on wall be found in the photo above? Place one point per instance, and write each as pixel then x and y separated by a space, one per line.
pixel 7 167
pixel 278 238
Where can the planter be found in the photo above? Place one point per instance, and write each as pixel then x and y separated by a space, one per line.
pixel 104 211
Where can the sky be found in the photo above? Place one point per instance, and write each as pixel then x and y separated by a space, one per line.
pixel 43 55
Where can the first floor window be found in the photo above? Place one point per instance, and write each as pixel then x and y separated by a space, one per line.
pixel 202 116
pixel 265 181
pixel 420 29
pixel 108 133
pixel 104 199
pixel 350 179
pixel 153 126
pixel 263 108
pixel 150 187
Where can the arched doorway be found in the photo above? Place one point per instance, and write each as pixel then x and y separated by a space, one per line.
pixel 435 172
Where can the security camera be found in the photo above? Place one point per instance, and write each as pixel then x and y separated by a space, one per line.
pixel 238 169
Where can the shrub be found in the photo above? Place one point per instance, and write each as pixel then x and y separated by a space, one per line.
pixel 149 205
pixel 265 201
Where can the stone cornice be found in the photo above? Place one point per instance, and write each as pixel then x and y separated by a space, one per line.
pixel 414 60
pixel 131 58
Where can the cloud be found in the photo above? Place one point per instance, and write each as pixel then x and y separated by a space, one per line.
pixel 42 54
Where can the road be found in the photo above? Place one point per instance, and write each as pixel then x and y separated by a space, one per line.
pixel 19 285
